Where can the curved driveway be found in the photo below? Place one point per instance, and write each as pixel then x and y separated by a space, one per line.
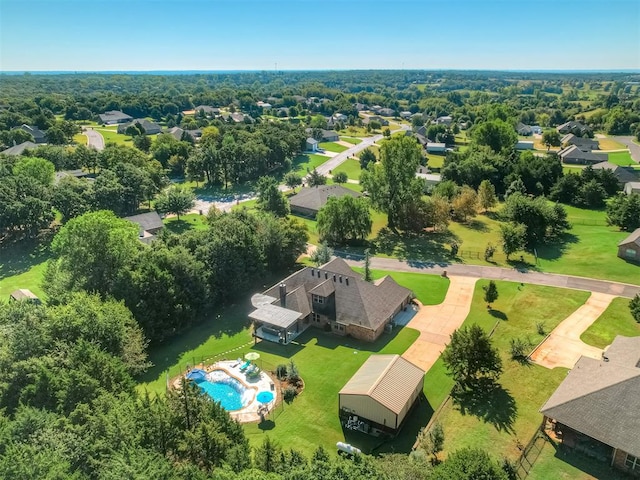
pixel 496 273
pixel 634 148
pixel 94 139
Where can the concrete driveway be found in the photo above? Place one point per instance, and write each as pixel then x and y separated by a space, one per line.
pixel 563 347
pixel 436 323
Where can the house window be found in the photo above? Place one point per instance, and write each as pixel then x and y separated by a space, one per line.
pixel 317 299
pixel 630 253
pixel 315 317
pixel 631 462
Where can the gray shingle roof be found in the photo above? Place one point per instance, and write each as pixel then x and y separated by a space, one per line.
pixel 601 398
pixel 633 239
pixel 314 198
pixel 357 302
pixel 114 116
pixel 18 149
pixel 147 221
pixel 388 379
pixel 574 152
pixel 623 175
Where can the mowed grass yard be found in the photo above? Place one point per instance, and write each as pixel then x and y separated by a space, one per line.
pixel 621 158
pixel 325 361
pixel 305 163
pixel 332 147
pixel 509 416
pixel 22 265
pixel 616 320
pixel 351 140
pixel 351 167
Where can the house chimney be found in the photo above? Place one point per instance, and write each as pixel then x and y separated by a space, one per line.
pixel 283 295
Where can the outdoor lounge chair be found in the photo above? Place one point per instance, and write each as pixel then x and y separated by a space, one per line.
pixel 245 366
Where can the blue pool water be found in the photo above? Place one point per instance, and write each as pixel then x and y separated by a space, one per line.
pixel 231 394
pixel 265 397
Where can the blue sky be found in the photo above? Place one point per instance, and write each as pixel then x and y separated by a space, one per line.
pixel 95 35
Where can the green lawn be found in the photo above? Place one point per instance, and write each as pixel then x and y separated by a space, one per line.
pixel 303 164
pixel 621 158
pixel 558 463
pixel 435 161
pixel 351 167
pixel 80 139
pixel 191 221
pixel 510 414
pixel 616 320
pixel 351 140
pixel 22 265
pixel 332 147
pixel 111 135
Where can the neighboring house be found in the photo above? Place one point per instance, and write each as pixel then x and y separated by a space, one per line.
pixel 376 108
pixel 175 132
pixel 574 155
pixel 264 105
pixel 308 201
pixel 311 145
pixel 387 112
pixel 340 117
pixel 436 147
pixel 574 127
pixel 331 297
pixel 421 131
pixel 208 111
pixel 113 117
pixel 632 187
pixel 406 115
pixel 429 178
pixel 150 128
pixel 624 175
pixel 18 149
pixel 150 224
pixel 380 395
pixel 444 120
pixel 524 130
pixel 596 408
pixel 583 143
pixel 38 135
pixel 330 136
pixel 524 145
pixel 375 118
pixel 71 173
pixel 360 107
pixel 24 295
pixel 629 249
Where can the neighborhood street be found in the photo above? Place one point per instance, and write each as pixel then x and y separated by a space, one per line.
pixel 634 148
pixel 94 138
pixel 512 275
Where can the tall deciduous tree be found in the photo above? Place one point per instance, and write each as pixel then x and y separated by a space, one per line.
pixel 344 219
pixel 470 356
pixel 270 198
pixel 551 138
pixel 623 211
pixel 176 200
pixel 39 169
pixel 487 195
pixel 496 134
pixel 292 180
pixel 513 238
pixel 90 252
pixel 490 292
pixel 392 183
pixel 315 179
pixel 322 254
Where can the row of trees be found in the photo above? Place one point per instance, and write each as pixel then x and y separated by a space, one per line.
pixel 169 285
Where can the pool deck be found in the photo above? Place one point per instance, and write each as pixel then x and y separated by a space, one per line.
pixel 255 411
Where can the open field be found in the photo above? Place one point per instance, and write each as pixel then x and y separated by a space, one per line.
pixel 616 320
pixel 22 265
pixel 305 163
pixel 332 147
pixel 502 419
pixel 351 140
pixel 610 144
pixel 351 167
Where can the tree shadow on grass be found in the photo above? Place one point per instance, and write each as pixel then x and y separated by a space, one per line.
pixel 423 247
pixel 498 314
pixel 489 401
pixel 18 255
pixel 553 251
pixel 266 425
pixel 180 226
pixel 477 225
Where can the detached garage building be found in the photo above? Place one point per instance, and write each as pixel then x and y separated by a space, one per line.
pixel 379 396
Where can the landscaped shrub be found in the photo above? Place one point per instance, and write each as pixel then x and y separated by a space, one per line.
pixel 289 394
pixel 540 328
pixel 281 371
pixel 519 348
pixel 292 373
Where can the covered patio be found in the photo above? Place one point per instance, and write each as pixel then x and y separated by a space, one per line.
pixel 277 324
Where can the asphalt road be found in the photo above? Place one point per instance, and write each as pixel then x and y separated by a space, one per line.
pixel 94 139
pixel 634 148
pixel 496 273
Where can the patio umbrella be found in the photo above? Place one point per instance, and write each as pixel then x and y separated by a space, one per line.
pixel 252 356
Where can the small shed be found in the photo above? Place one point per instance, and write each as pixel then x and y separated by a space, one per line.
pixel 632 187
pixel 24 295
pixel 524 145
pixel 629 248
pixel 436 147
pixel 380 394
pixel 311 145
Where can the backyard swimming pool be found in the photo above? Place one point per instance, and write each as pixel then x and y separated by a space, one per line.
pixel 223 388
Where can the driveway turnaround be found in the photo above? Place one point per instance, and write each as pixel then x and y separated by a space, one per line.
pixel 437 322
pixel 563 347
pixel 509 274
pixel 94 139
